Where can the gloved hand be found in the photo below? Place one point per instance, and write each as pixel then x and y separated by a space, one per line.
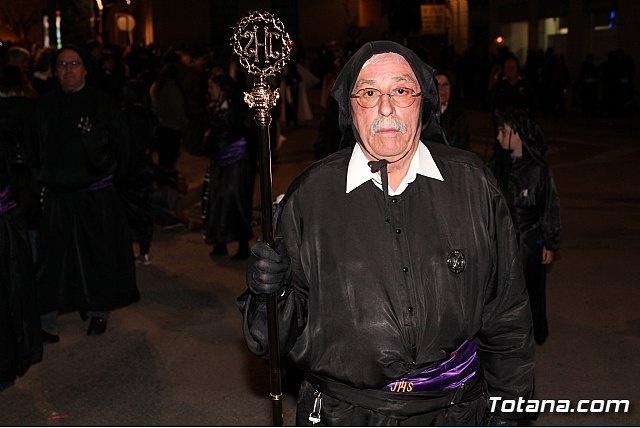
pixel 269 268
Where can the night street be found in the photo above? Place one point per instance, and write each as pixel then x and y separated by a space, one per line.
pixel 177 357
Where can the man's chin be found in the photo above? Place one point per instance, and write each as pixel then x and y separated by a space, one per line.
pixel 392 154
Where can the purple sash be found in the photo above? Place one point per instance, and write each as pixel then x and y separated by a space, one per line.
pixel 461 366
pixel 6 200
pixel 232 153
pixel 100 184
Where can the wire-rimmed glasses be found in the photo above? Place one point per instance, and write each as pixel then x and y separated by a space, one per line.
pixel 400 97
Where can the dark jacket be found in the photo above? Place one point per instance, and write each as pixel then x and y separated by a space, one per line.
pixel 455 125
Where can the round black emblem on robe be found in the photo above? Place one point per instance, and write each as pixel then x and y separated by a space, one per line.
pixel 456 261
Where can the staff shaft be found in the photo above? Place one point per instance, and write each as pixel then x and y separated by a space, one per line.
pixel 272 299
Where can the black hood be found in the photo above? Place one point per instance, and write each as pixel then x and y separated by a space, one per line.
pixel 531 134
pixel 343 86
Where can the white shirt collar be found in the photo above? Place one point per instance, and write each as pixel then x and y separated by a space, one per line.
pixel 359 172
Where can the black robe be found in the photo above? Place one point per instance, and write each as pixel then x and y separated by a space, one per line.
pixel 17 117
pixel 533 201
pixel 371 302
pixel 85 257
pixel 20 343
pixel 135 190
pixel 227 194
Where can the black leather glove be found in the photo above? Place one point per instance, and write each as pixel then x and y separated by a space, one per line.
pixel 269 268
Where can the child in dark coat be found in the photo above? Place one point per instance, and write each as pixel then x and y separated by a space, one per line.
pixel 527 183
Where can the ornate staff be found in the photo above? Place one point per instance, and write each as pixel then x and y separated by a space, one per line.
pixel 263 48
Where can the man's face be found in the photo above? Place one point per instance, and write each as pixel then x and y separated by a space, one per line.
pixel 390 128
pixel 70 70
pixel 444 88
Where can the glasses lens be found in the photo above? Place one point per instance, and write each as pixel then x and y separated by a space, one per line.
pixel 401 97
pixel 368 98
pixel 72 64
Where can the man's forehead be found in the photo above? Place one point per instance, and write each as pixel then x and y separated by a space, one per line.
pixel 69 54
pixel 387 58
pixel 388 64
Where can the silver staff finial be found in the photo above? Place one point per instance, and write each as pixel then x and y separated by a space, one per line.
pixel 263 47
pixel 261 43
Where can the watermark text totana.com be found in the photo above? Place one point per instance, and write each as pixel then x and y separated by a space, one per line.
pixel 498 404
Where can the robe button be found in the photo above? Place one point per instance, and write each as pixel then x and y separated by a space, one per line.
pixel 405 269
pixel 410 309
pixel 398 231
pixel 394 200
pixel 456 261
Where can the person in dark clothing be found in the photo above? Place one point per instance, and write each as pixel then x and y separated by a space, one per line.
pixel 453 118
pixel 85 257
pixel 588 87
pixel 20 341
pixel 135 191
pixel 400 288
pixel 192 82
pixel 43 79
pixel 228 186
pixel 17 116
pixel 511 91
pixel 168 105
pixel 291 93
pixel 527 183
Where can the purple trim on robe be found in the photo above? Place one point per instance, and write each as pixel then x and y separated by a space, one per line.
pixel 232 153
pixel 461 366
pixel 100 184
pixel 6 200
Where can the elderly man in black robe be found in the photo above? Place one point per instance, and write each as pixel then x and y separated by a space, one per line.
pixel 400 289
pixel 85 259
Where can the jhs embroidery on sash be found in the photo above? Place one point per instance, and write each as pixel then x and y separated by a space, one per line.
pixel 401 386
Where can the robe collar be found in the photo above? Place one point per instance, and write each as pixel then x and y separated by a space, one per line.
pixel 359 171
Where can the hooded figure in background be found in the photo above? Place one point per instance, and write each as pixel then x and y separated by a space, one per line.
pixel 527 183
pixel 227 194
pixel 85 258
pixel 401 294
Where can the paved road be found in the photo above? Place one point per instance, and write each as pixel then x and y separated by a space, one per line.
pixel 177 356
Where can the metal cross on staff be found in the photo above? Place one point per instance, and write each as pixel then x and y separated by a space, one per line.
pixel 263 48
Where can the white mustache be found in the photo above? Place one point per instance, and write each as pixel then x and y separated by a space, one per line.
pixel 388 122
